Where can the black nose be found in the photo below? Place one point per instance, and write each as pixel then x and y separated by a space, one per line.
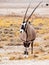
pixel 20 31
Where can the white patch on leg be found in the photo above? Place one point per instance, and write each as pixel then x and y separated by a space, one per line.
pixel 26 56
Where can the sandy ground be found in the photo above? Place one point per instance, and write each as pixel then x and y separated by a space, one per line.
pixel 13 49
pixel 26 62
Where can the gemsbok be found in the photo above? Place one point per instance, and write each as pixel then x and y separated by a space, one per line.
pixel 27 31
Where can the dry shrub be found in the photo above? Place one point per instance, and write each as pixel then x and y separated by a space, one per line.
pixel 36 44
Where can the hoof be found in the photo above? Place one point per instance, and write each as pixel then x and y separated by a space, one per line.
pixel 25 52
pixel 25 56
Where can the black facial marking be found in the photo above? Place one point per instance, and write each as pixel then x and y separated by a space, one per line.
pixel 22 27
pixel 23 21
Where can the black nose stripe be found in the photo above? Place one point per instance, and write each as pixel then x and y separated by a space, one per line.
pixel 22 27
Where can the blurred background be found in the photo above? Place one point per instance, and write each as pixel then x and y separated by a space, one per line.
pixel 19 7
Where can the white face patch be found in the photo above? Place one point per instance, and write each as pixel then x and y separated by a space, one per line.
pixel 21 30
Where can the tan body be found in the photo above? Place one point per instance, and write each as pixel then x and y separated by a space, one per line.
pixel 31 32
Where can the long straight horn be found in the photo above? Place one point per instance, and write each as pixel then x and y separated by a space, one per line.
pixel 26 11
pixel 33 11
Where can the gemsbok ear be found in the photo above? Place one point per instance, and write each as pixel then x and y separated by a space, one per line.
pixel 33 11
pixel 29 22
pixel 26 11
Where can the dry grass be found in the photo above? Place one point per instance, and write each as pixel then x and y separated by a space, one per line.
pixel 10 36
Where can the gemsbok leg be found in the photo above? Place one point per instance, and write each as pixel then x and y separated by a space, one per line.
pixel 25 45
pixel 32 48
pixel 26 52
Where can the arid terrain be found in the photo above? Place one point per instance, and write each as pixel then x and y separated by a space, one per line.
pixel 11 46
